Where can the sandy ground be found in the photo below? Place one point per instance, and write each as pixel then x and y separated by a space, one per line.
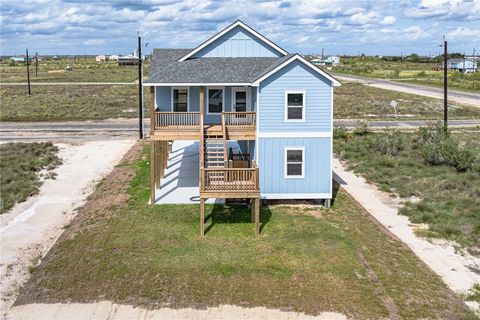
pixel 110 311
pixel 456 270
pixel 30 228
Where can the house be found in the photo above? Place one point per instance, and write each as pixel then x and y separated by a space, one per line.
pixel 21 59
pixel 462 65
pixel 240 86
pixel 113 57
pixel 332 60
pixel 101 58
pixel 128 60
pixel 318 62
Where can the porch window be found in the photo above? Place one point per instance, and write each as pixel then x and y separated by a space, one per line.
pixel 295 106
pixel 294 162
pixel 180 99
pixel 215 100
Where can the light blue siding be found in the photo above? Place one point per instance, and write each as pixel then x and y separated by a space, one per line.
pixel 163 97
pixel 238 42
pixel 295 76
pixel 271 160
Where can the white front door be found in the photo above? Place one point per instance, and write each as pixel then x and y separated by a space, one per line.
pixel 241 99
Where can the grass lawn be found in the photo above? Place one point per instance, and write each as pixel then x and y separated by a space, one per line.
pixel 307 258
pixel 20 164
pixel 84 70
pixel 446 199
pixel 67 102
pixel 354 100
pixel 407 71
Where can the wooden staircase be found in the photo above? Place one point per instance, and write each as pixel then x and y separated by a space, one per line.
pixel 214 146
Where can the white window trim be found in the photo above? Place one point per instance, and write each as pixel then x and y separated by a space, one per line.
pixel 248 97
pixel 208 100
pixel 303 105
pixel 188 97
pixel 303 162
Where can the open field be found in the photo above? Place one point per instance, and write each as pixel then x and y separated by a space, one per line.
pixel 405 71
pixel 60 103
pixel 439 181
pixel 307 258
pixel 354 100
pixel 84 70
pixel 20 168
pixel 97 102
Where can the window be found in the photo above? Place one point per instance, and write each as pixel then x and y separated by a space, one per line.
pixel 180 100
pixel 215 101
pixel 295 106
pixel 294 163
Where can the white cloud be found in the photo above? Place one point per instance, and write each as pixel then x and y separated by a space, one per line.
pixel 388 21
pixel 462 32
pixel 94 42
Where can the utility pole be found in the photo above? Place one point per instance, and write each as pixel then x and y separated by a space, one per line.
pixel 36 64
pixel 28 73
pixel 140 89
pixel 445 84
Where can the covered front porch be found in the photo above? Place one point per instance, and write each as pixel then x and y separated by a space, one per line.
pixel 179 112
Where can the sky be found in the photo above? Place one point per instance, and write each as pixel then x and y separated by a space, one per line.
pixel 305 26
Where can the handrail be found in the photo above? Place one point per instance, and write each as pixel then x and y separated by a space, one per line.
pixel 240 119
pixel 230 179
pixel 176 120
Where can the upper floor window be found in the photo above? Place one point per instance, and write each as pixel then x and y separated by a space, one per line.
pixel 295 106
pixel 215 100
pixel 180 99
pixel 294 162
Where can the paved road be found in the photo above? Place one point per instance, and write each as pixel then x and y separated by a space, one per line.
pixel 453 95
pixel 6 84
pixel 120 128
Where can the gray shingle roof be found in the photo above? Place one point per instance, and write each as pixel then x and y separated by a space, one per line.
pixel 166 68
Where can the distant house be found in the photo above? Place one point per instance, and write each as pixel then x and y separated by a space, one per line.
pixel 128 60
pixel 318 62
pixel 113 57
pixel 20 59
pixel 332 60
pixel 462 65
pixel 101 58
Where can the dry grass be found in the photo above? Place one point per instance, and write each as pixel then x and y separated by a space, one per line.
pixel 67 102
pixel 20 164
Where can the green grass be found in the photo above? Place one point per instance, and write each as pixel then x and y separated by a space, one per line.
pixel 67 102
pixel 447 200
pixel 307 258
pixel 20 164
pixel 354 100
pixel 84 70
pixel 407 71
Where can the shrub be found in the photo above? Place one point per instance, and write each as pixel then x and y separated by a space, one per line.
pixel 389 143
pixel 438 147
pixel 422 74
pixel 340 133
pixel 361 129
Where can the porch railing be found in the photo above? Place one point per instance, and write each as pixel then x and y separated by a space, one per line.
pixel 177 120
pixel 241 120
pixel 230 179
